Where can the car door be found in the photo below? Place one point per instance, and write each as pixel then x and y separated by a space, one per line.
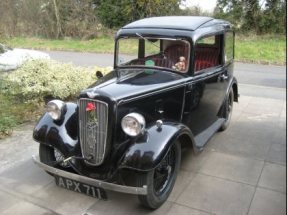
pixel 206 91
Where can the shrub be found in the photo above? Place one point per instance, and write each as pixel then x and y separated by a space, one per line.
pixel 6 125
pixel 14 112
pixel 38 79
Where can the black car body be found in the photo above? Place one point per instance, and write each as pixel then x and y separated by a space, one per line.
pixel 175 88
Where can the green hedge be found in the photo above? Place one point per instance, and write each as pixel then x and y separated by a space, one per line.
pixel 38 79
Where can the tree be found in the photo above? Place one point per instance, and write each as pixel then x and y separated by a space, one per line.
pixel 114 13
pixel 48 18
pixel 252 16
pixel 231 10
pixel 249 15
pixel 58 20
pixel 274 17
pixel 9 17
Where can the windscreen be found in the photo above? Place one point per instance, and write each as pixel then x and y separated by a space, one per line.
pixel 153 52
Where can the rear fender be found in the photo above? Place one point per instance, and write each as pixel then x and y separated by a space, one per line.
pixel 234 86
pixel 146 152
pixel 62 134
pixel 235 90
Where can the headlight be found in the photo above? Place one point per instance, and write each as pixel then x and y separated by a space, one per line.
pixel 133 124
pixel 56 108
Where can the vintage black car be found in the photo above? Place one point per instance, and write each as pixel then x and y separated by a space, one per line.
pixel 172 87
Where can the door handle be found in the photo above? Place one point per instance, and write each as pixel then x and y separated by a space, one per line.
pixel 223 77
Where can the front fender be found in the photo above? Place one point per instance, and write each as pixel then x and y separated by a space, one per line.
pixel 62 134
pixel 145 153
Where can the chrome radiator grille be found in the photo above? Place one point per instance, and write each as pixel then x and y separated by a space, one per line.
pixel 93 123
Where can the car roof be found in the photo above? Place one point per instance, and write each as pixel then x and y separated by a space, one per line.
pixel 191 23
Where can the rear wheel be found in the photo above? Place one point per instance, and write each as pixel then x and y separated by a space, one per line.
pixel 227 110
pixel 160 181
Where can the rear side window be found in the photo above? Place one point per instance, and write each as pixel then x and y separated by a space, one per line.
pixel 207 40
pixel 229 46
pixel 207 52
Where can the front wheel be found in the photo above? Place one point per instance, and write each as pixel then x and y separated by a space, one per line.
pixel 160 181
pixel 227 110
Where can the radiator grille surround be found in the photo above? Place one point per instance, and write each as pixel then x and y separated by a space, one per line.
pixel 93 128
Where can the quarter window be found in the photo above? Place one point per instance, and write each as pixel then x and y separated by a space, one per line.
pixel 207 52
pixel 229 45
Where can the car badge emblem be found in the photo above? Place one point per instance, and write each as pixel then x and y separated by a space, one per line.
pixel 92 94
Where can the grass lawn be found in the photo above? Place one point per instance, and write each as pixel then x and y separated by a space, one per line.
pixel 99 45
pixel 270 49
pixel 263 49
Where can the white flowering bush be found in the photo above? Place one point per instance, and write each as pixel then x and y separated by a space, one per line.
pixel 38 79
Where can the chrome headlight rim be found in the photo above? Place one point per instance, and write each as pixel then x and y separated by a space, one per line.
pixel 138 122
pixel 56 109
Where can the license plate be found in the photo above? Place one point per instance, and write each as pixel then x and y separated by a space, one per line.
pixel 80 187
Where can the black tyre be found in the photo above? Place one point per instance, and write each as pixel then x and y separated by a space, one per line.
pixel 51 156
pixel 227 110
pixel 160 181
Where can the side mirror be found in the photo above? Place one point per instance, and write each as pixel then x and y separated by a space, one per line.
pixel 99 74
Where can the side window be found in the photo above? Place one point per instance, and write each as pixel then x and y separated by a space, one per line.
pixel 207 40
pixel 229 45
pixel 207 52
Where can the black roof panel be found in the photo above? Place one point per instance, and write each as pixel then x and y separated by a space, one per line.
pixel 171 22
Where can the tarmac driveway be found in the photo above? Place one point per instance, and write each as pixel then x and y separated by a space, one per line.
pixel 241 171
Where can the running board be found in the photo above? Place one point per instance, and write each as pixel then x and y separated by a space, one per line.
pixel 202 138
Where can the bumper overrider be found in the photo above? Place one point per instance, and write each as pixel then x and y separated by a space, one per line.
pixel 90 181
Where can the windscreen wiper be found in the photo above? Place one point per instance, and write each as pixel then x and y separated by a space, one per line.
pixel 161 52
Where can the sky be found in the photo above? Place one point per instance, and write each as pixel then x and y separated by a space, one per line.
pixel 209 5
pixel 205 5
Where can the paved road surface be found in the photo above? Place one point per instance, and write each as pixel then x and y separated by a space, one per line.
pixel 242 171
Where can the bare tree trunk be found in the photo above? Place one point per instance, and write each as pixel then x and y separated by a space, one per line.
pixel 59 26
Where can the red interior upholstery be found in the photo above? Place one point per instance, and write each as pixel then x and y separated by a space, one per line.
pixel 163 62
pixel 206 57
pixel 159 61
pixel 175 51
pixel 199 65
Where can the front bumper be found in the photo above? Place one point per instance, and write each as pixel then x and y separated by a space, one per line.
pixel 91 181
